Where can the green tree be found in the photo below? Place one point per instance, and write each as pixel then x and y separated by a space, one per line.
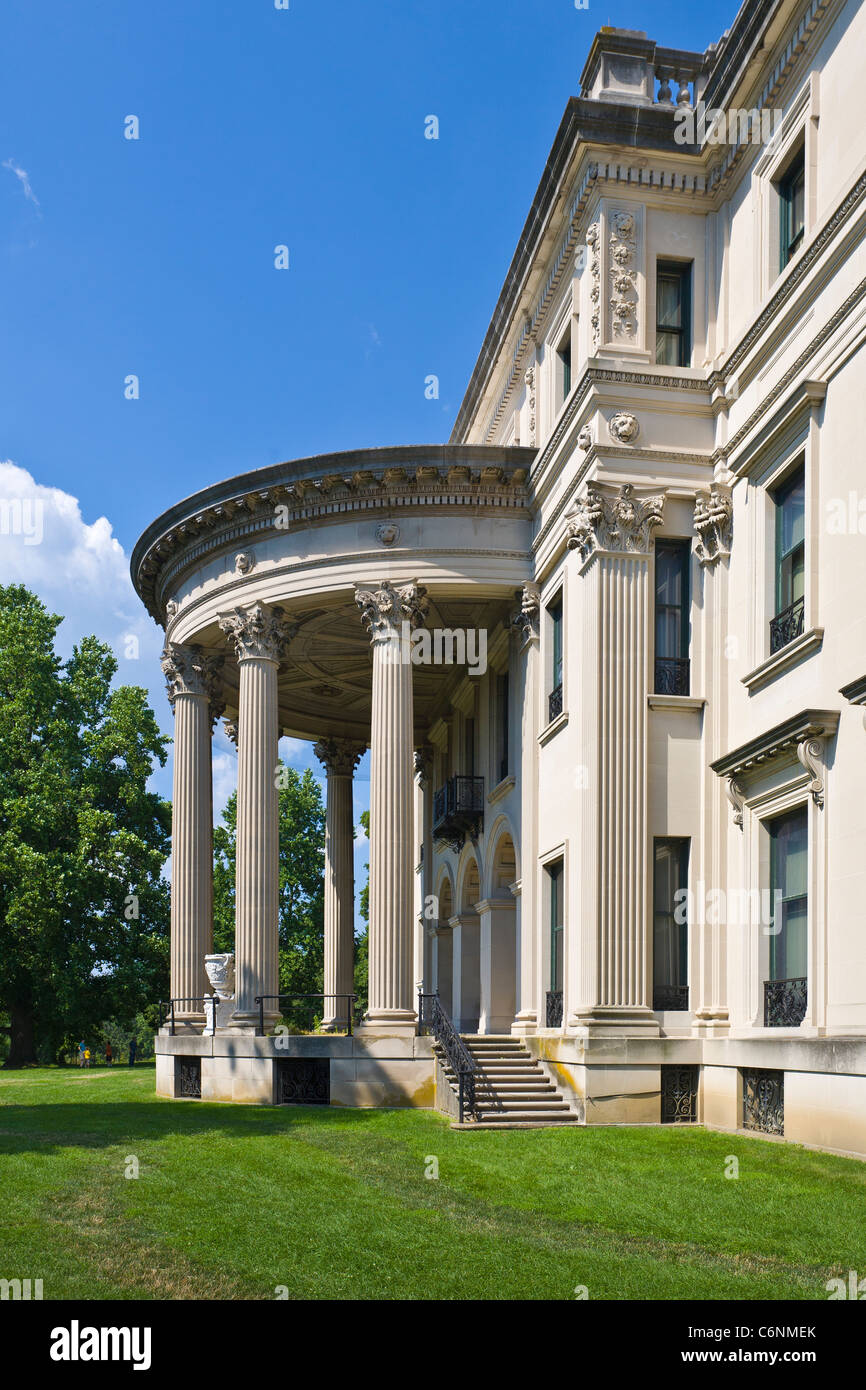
pixel 302 885
pixel 83 908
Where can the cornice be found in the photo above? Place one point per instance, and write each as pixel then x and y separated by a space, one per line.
pixel 808 724
pixel 855 691
pixel 794 277
pixel 325 489
pixel 782 385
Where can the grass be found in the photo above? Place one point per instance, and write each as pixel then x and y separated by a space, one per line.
pixel 232 1202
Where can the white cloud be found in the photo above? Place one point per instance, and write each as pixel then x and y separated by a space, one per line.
pixel 24 179
pixel 80 571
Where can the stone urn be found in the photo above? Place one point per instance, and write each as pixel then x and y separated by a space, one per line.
pixel 219 1007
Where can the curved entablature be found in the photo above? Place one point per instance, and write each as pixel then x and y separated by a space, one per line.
pixel 328 488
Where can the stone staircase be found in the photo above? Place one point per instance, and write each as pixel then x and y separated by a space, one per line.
pixel 511 1089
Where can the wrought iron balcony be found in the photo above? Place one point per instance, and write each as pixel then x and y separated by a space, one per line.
pixel 670 997
pixel 672 675
pixel 784 1003
pixel 787 625
pixel 458 809
pixel 554 704
pixel 553 1009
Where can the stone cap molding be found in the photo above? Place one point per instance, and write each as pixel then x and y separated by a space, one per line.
pixel 804 733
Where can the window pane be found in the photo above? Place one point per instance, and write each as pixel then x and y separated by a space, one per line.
pixel 667 349
pixel 669 305
pixel 669 628
pixel 791 504
pixel 556 644
pixel 672 599
pixel 789 878
pixel 556 926
pixel 798 205
pixel 670 936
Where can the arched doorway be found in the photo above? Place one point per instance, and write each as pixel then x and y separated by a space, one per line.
pixel 443 967
pixel 466 950
pixel 498 940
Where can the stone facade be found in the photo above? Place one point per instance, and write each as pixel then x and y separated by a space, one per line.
pixel 653 508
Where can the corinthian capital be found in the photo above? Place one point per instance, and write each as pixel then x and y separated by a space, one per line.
pixel 714 523
pixel 526 617
pixel 258 632
pixel 385 608
pixel 622 523
pixel 339 756
pixel 190 671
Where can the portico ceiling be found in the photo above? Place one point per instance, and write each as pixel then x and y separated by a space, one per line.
pixel 325 679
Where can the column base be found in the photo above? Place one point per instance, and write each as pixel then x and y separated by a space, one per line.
pixel 525 1024
pixel 711 1023
pixel 243 1022
pixel 389 1023
pixel 603 1021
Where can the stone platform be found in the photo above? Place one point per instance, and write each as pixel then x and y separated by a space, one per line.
pixel 364 1070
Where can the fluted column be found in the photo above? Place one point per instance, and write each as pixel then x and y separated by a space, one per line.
pixel 340 760
pixel 526 623
pixel 708 967
pixel 259 635
pixel 610 986
pixel 390 612
pixel 192 680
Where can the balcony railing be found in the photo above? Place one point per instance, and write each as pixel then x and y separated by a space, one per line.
pixel 784 1003
pixel 433 1018
pixel 787 625
pixel 672 675
pixel 673 998
pixel 554 704
pixel 553 1009
pixel 458 809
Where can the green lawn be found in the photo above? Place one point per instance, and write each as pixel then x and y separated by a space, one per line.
pixel 233 1201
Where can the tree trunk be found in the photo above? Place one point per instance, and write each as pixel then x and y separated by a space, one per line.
pixel 22 1049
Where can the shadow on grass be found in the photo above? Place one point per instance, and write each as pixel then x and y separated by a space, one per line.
pixel 52 1127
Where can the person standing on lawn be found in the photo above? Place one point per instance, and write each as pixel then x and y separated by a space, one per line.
pixel 81 1054
pixel 108 1054
pixel 133 1048
pixel 87 1056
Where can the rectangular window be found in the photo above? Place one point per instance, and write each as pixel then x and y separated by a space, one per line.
pixel 554 702
pixel 670 925
pixel 790 504
pixel 792 207
pixel 469 747
pixel 672 602
pixel 563 370
pixel 554 874
pixel 673 314
pixel 502 724
pixel 788 880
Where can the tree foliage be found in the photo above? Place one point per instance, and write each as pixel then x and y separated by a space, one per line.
pixel 83 907
pixel 302 885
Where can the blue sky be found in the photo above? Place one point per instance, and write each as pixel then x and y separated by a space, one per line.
pixel 155 257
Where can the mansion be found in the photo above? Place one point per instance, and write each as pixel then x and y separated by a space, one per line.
pixel 618 852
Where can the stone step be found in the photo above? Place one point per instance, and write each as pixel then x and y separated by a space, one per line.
pixel 512 1090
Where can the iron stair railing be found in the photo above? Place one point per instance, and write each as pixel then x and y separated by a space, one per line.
pixel 432 1016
